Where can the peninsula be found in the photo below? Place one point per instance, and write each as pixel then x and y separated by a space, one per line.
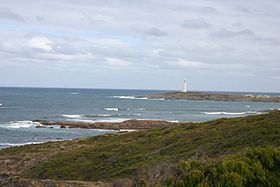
pixel 213 97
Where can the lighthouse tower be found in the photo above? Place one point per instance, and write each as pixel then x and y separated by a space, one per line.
pixel 185 87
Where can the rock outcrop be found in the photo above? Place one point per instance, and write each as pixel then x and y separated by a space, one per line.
pixel 125 125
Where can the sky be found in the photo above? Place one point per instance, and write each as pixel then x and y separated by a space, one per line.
pixel 217 45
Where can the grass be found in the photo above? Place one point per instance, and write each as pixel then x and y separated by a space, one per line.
pixel 139 155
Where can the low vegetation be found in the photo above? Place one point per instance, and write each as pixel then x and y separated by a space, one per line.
pixel 223 152
pixel 256 167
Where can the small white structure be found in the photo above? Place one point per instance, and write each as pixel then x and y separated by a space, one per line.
pixel 185 87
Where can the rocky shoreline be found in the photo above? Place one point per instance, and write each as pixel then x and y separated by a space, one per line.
pixel 125 125
pixel 213 97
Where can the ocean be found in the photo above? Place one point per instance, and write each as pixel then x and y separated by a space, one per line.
pixel 19 106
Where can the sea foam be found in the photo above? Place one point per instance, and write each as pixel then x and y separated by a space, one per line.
pixel 72 115
pixel 124 97
pixel 26 143
pixel 18 144
pixel 130 97
pixel 111 109
pixel 113 120
pixel 74 93
pixel 97 115
pixel 109 120
pixel 232 113
pixel 21 124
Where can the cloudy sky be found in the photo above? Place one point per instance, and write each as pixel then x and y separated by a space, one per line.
pixel 145 44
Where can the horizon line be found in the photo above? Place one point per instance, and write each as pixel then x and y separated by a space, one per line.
pixel 98 88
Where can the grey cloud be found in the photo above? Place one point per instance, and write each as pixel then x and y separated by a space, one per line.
pixel 243 10
pixel 6 13
pixel 268 40
pixel 155 32
pixel 225 33
pixel 209 10
pixel 238 24
pixel 148 35
pixel 198 23
pixel 40 19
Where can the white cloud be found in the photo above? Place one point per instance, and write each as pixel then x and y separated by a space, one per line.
pixel 42 43
pixel 116 62
pixel 143 37
pixel 188 63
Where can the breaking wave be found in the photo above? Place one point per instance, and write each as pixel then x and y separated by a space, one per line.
pixel 97 115
pixel 110 120
pixel 130 97
pixel 138 98
pixel 112 109
pixel 18 144
pixel 232 113
pixel 109 115
pixel 124 97
pixel 72 116
pixel 21 124
pixel 3 145
pixel 74 93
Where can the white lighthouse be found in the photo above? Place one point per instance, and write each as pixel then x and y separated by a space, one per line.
pixel 185 87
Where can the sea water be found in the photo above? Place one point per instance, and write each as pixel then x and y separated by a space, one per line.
pixel 20 106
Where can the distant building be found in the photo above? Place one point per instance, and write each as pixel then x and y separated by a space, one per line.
pixel 185 87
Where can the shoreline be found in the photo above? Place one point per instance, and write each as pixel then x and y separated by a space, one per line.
pixel 212 97
pixel 128 125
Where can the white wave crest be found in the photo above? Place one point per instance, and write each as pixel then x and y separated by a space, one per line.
pixel 124 97
pixel 274 108
pixel 144 98
pixel 161 99
pixel 103 115
pixel 74 93
pixel 72 115
pixel 98 115
pixel 111 109
pixel 27 143
pixel 18 144
pixel 113 120
pixel 129 97
pixel 174 121
pixel 1 104
pixel 231 113
pixel 127 130
pixel 109 120
pixel 21 124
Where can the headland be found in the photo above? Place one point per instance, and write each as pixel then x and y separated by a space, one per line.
pixel 213 97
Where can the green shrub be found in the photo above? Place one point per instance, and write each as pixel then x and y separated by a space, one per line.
pixel 258 167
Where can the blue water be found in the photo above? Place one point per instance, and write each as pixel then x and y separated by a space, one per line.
pixel 19 106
